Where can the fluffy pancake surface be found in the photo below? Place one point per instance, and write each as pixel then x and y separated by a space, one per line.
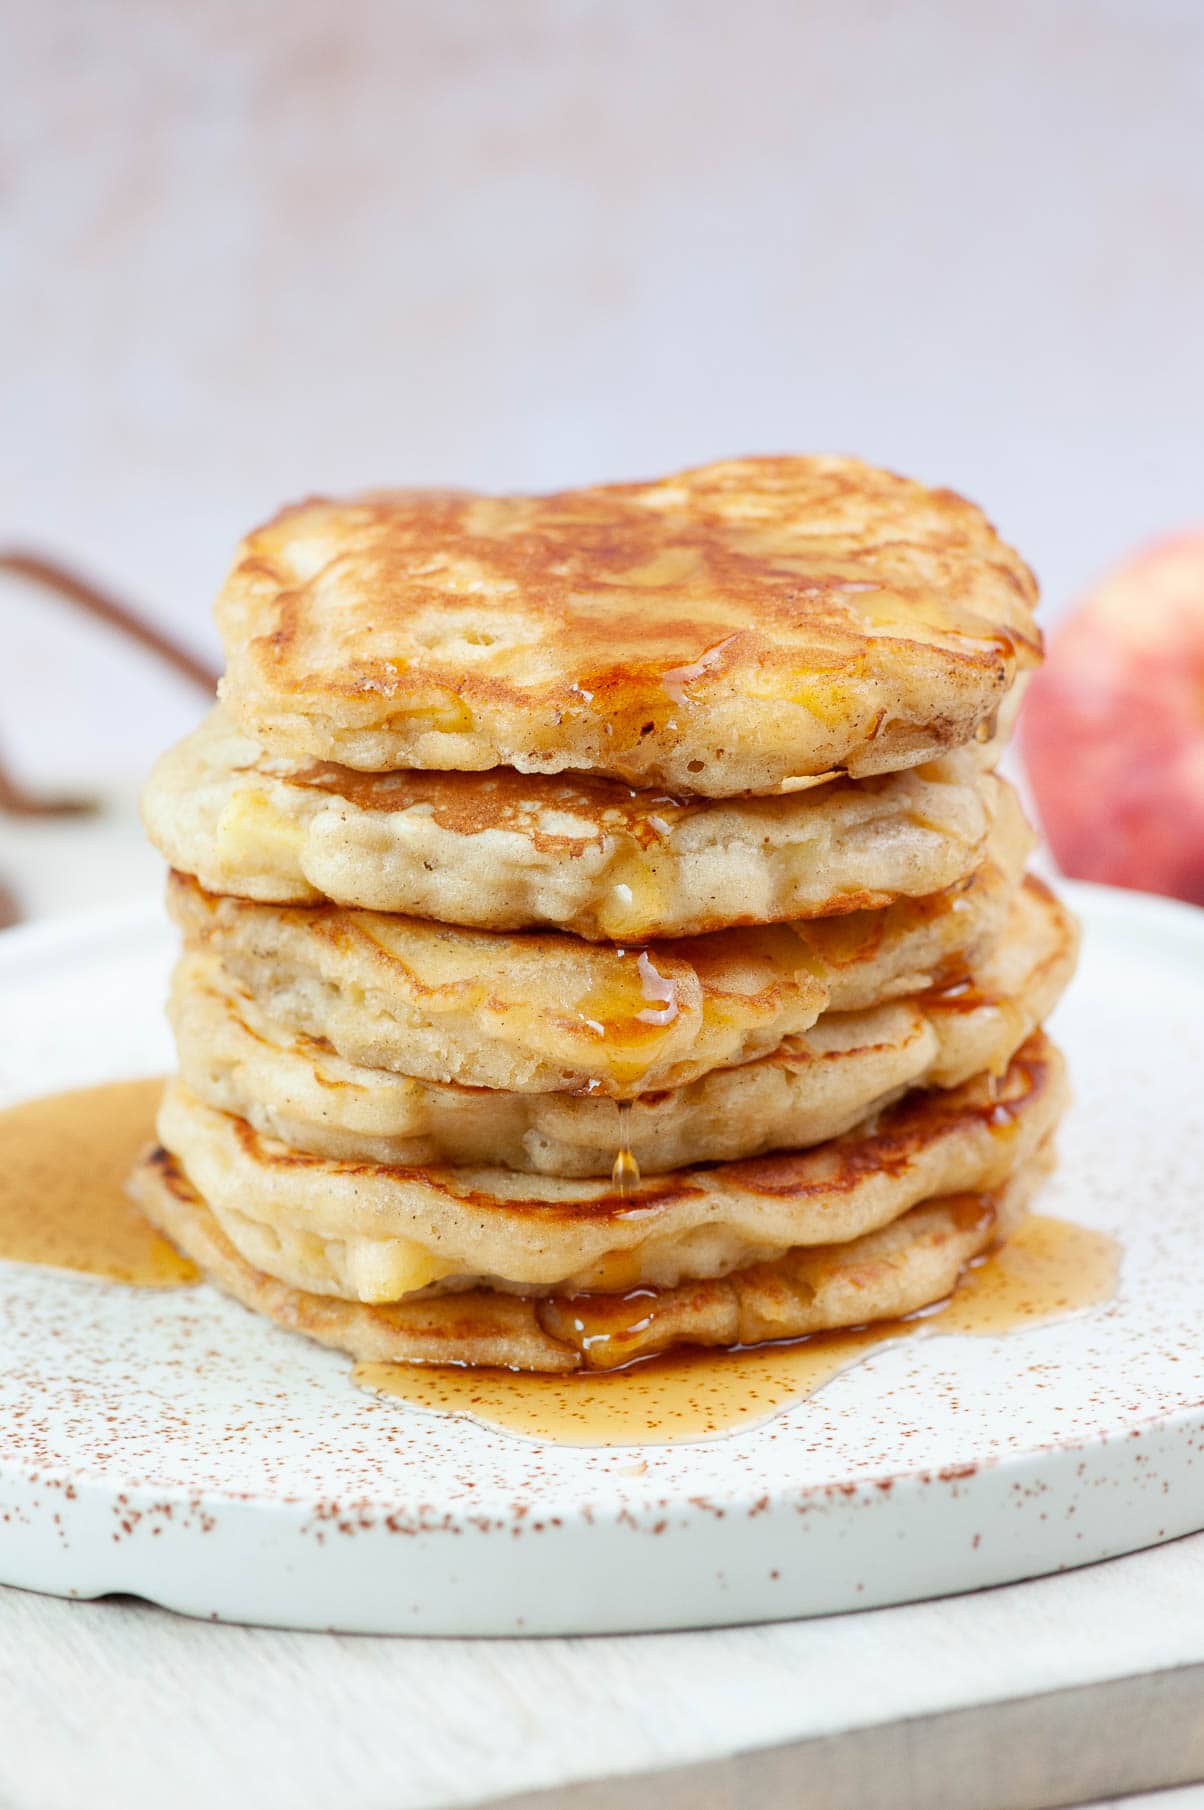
pixel 816 1085
pixel 903 1266
pixel 504 851
pixel 371 1232
pixel 546 1012
pixel 726 630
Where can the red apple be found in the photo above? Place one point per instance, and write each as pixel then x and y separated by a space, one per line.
pixel 1112 730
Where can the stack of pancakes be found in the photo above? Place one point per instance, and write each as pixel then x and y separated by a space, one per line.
pixel 604 928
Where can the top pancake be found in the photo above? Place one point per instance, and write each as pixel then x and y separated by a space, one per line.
pixel 736 628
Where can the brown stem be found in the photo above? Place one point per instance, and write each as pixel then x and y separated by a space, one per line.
pixel 10 911
pixel 63 582
pixel 16 800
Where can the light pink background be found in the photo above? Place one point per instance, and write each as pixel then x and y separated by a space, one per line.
pixel 258 247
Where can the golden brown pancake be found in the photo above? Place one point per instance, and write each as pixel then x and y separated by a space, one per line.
pixel 544 1012
pixel 506 851
pixel 816 1085
pixel 374 1233
pixel 883 1275
pixel 729 629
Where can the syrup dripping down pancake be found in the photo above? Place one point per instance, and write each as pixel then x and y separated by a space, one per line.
pixel 915 1261
pixel 815 1085
pixel 542 1012
pixel 374 1233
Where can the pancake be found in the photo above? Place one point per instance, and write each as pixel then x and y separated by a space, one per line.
pixel 883 1275
pixel 544 1012
pixel 506 851
pixel 729 629
pixel 374 1233
pixel 816 1085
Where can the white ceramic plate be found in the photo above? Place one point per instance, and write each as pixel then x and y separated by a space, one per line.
pixel 174 1446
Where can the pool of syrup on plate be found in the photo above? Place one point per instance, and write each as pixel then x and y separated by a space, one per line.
pixel 64 1160
pixel 1048 1270
pixel 63 1163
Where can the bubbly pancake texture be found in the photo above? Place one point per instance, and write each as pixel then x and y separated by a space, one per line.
pixel 883 1275
pixel 507 851
pixel 816 1085
pixel 730 629
pixel 373 1233
pixel 542 1012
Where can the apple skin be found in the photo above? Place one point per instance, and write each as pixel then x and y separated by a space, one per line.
pixel 1112 729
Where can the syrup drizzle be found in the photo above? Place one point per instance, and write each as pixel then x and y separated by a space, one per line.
pixel 625 1174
